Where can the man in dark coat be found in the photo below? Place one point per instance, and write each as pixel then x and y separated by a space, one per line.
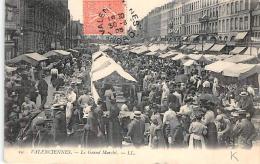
pixel 136 130
pixel 43 90
pixel 59 124
pixel 244 131
pixel 114 128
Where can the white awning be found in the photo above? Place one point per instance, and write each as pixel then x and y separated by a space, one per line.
pixel 218 66
pixel 184 38
pixel 241 36
pixel 72 50
pixel 190 47
pixel 102 67
pixel 32 58
pixel 36 56
pixel 163 47
pixel 179 57
pixel 189 62
pixel 240 70
pixel 98 55
pixel 237 50
pixel 140 50
pixel 240 58
pixel 252 51
pixel 217 47
pixel 169 54
pixel 151 53
pixel 193 37
pixel 62 52
pixel 154 47
pixel 197 57
pixel 182 47
pixel 222 57
pixel 56 53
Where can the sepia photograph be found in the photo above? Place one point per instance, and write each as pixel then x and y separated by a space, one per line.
pixel 122 79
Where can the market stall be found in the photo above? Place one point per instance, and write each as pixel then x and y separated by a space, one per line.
pixel 57 53
pixel 31 58
pixel 106 71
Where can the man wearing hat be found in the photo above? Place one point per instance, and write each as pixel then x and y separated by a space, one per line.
pixel 244 131
pixel 245 102
pixel 43 90
pixel 224 130
pixel 136 130
pixel 59 125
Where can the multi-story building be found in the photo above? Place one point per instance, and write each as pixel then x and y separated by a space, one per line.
pixel 164 20
pixel 235 20
pixel 230 21
pixel 43 25
pixel 154 23
pixel 176 20
pixel 256 26
pixel 77 31
pixel 11 13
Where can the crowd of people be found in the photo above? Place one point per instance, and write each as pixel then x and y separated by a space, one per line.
pixel 169 109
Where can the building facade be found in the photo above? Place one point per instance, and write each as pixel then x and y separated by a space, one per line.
pixel 11 13
pixel 77 33
pixel 230 21
pixel 176 26
pixel 43 25
pixel 154 23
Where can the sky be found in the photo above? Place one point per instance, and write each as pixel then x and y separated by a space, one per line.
pixel 141 7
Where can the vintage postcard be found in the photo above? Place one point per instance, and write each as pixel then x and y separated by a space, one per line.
pixel 132 81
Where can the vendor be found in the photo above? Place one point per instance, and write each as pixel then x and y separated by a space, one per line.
pixel 71 97
pixel 28 106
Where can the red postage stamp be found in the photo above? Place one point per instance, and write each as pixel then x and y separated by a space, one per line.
pixel 104 17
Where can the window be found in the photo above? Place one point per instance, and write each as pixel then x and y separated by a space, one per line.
pixel 240 23
pixel 258 21
pixel 246 4
pixel 246 22
pixel 8 37
pixel 241 5
pixel 236 23
pixel 227 25
pixel 227 9
pixel 9 14
pixel 232 8
pixel 236 7
pixel 232 23
pixel 223 26
pixel 219 25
